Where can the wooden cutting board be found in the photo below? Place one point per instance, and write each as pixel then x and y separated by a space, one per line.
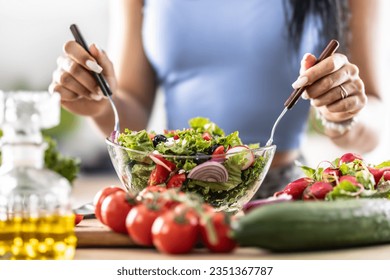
pixel 93 234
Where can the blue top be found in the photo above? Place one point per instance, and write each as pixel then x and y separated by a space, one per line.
pixel 228 60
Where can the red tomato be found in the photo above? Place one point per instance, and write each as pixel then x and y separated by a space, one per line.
pixel 139 223
pixel 149 191
pixel 183 207
pixel 158 176
pixel 173 233
pixel 114 210
pixel 78 218
pixel 206 136
pixel 100 196
pixel 219 154
pixel 176 181
pixel 172 198
pixel 221 225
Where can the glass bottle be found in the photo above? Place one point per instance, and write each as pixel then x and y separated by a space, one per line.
pixel 36 218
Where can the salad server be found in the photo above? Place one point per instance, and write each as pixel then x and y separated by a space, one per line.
pixel 101 82
pixel 296 94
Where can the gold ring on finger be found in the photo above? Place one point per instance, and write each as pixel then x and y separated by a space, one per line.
pixel 343 92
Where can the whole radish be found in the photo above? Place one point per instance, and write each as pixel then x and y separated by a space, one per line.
pixel 318 190
pixel 386 175
pixel 349 157
pixel 349 178
pixel 296 188
pixel 331 174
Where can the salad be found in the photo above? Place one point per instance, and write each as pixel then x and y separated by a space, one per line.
pixel 349 176
pixel 200 159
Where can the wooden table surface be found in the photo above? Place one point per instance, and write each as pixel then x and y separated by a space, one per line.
pixel 86 187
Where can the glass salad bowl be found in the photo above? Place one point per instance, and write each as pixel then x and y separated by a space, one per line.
pixel 200 159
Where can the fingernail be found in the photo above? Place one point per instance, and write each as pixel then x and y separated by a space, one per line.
pixel 304 57
pixel 96 96
pixel 300 82
pixel 92 65
pixel 338 62
pixel 304 95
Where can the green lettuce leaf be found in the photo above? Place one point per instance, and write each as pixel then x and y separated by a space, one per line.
pixel 140 174
pixel 383 164
pixel 203 124
pixel 138 141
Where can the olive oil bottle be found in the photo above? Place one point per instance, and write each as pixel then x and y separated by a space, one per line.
pixel 36 218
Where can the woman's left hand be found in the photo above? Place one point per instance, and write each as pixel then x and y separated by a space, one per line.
pixel 333 86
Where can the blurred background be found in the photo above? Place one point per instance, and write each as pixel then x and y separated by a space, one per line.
pixel 32 35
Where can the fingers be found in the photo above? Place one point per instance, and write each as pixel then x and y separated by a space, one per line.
pixel 342 91
pixel 73 78
pixel 102 59
pixel 307 61
pixel 81 75
pixel 320 70
pixel 343 109
pixel 328 83
pixel 77 53
pixel 66 95
pixel 332 85
pixel 65 82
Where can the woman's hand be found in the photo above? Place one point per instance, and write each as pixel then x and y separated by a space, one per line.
pixel 80 93
pixel 333 86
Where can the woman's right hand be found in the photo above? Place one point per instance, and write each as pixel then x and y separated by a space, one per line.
pixel 80 93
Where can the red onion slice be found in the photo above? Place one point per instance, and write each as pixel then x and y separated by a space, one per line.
pixel 209 171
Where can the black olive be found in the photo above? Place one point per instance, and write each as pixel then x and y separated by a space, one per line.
pixel 158 139
pixel 200 158
pixel 212 148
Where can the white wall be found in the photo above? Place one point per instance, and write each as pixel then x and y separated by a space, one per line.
pixel 32 33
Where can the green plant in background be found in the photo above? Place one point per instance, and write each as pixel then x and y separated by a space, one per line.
pixel 68 167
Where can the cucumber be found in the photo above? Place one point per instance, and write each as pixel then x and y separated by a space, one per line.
pixel 304 226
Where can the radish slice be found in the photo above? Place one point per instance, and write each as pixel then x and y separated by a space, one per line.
pixel 114 136
pixel 160 160
pixel 251 205
pixel 248 154
pixel 209 171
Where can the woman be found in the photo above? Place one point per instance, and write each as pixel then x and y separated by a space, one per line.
pixel 233 62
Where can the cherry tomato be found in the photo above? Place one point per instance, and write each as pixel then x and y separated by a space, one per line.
pixel 114 210
pixel 175 233
pixel 218 152
pixel 176 181
pixel 78 218
pixel 158 176
pixel 149 191
pixel 139 222
pixel 206 136
pixel 100 196
pixel 183 207
pixel 221 224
